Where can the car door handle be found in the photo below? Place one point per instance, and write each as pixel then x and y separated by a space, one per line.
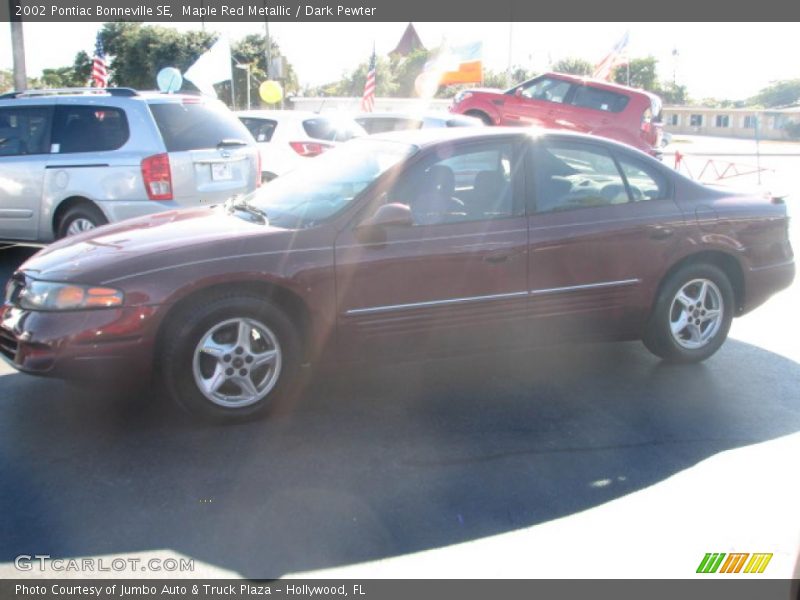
pixel 496 257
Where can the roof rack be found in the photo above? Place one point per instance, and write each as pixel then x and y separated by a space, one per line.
pixel 122 92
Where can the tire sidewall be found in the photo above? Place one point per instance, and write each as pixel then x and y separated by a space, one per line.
pixel 659 338
pixel 85 211
pixel 193 324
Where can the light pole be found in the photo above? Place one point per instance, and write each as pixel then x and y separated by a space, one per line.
pixel 17 48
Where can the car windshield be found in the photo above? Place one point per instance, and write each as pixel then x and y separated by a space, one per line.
pixel 327 184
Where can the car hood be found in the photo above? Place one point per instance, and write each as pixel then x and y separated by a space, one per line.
pixel 151 242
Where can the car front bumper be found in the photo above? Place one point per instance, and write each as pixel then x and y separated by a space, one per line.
pixel 104 344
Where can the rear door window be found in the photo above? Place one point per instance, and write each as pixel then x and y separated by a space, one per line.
pixel 572 175
pixel 262 130
pixel 79 128
pixel 587 96
pixel 644 182
pixel 24 130
pixel 196 126
pixel 331 130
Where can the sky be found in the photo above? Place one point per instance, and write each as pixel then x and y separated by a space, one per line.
pixel 722 60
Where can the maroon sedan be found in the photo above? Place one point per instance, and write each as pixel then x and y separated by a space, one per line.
pixel 405 245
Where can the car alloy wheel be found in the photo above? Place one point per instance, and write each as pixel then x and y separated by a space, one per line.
pixel 237 362
pixel 79 225
pixel 696 313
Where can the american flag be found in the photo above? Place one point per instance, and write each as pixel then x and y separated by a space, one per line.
pixel 99 68
pixel 368 99
pixel 616 57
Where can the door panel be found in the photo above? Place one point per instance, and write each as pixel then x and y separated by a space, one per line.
pixel 593 267
pixel 433 288
pixel 455 280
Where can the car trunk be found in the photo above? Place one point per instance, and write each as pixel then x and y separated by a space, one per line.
pixel 213 174
pixel 212 155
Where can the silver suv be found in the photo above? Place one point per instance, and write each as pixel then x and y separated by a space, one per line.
pixel 73 159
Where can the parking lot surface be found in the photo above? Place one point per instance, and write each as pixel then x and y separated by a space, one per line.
pixel 483 466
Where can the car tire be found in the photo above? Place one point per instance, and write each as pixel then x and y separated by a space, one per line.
pixel 206 358
pixel 78 219
pixel 692 314
pixel 487 120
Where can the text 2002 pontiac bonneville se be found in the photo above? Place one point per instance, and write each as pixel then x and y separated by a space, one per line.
pixel 407 244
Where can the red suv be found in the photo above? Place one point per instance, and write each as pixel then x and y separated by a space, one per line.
pixel 559 101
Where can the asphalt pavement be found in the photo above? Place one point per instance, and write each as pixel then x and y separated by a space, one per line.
pixel 590 449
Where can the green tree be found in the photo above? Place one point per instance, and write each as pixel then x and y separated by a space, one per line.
pixel 778 93
pixel 573 66
pixel 76 75
pixel 642 74
pixel 6 80
pixel 672 93
pixel 141 51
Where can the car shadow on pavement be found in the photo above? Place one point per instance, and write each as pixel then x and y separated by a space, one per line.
pixel 373 463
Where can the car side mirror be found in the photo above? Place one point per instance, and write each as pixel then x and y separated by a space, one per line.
pixel 373 229
pixel 390 215
pixel 518 92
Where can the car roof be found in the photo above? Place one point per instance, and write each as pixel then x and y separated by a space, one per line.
pixel 423 138
pixel 284 115
pixel 425 114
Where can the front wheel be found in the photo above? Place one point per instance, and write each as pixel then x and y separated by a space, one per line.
pixel 231 359
pixel 692 314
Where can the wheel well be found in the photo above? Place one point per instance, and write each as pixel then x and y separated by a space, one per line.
pixel 67 204
pixel 289 302
pixel 480 115
pixel 727 263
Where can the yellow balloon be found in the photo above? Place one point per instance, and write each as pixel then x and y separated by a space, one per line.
pixel 271 92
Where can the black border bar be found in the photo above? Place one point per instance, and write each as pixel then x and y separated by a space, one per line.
pixel 396 10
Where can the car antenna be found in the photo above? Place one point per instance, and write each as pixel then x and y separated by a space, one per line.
pixel 321 106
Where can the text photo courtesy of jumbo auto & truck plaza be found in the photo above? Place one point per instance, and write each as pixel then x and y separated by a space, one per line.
pixel 377 299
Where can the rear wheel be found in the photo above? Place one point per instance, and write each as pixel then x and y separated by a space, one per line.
pixel 230 359
pixel 78 219
pixel 692 315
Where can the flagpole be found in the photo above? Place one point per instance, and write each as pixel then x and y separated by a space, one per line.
pixel 510 46
pixel 233 90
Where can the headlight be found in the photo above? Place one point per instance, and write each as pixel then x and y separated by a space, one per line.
pixel 461 96
pixel 44 295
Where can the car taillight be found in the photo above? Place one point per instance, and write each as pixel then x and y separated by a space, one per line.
pixel 309 148
pixel 258 168
pixel 647 119
pixel 157 177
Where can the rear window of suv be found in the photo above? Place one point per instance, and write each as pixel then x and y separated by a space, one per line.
pixel 587 96
pixel 331 130
pixel 194 126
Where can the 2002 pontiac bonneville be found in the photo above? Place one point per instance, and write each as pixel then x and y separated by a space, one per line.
pixel 407 244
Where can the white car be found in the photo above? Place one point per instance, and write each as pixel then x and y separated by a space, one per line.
pixel 382 122
pixel 286 138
